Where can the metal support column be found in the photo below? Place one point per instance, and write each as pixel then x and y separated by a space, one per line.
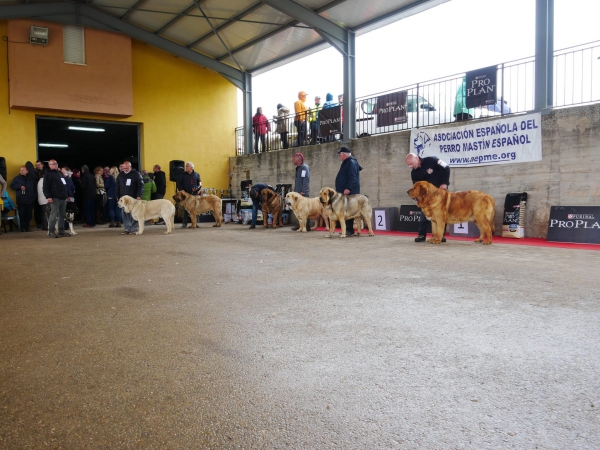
pixel 544 53
pixel 349 131
pixel 248 113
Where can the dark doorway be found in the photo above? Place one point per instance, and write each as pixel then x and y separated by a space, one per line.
pixel 117 143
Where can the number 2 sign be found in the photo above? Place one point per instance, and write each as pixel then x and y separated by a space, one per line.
pixel 380 220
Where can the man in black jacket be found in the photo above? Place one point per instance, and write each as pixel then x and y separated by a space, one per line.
pixel 129 182
pixel 88 192
pixel 25 186
pixel 189 181
pixel 256 200
pixel 160 180
pixel 55 190
pixel 434 171
pixel 348 180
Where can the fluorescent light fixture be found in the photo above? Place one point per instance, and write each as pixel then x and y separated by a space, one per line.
pixel 53 145
pixel 86 129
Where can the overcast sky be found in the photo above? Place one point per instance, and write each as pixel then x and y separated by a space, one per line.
pixel 454 37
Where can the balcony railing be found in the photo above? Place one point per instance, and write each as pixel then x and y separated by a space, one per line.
pixel 441 100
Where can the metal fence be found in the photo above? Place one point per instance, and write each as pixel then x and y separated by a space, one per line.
pixel 442 100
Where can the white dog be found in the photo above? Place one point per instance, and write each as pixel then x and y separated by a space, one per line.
pixel 142 210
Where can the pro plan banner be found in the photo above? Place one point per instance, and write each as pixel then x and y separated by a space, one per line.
pixel 391 109
pixel 508 140
pixel 330 121
pixel 481 87
pixel 408 219
pixel 580 224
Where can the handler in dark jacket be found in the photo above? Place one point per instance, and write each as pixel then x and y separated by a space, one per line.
pixel 25 186
pixel 88 193
pixel 129 182
pixel 55 190
pixel 255 196
pixel 160 180
pixel 434 171
pixel 190 182
pixel 348 180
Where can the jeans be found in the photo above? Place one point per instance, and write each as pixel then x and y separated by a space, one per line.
pixel 57 210
pixel 88 210
pixel 24 215
pixel 129 224
pixel 284 139
pixel 314 133
pixel 258 136
pixel 255 213
pixel 302 132
pixel 114 212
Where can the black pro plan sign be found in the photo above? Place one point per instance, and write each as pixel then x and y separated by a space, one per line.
pixel 481 87
pixel 408 219
pixel 580 224
pixel 391 109
pixel 330 121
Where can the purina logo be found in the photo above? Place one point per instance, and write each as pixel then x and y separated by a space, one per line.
pixel 581 216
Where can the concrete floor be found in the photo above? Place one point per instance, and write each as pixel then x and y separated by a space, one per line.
pixel 232 338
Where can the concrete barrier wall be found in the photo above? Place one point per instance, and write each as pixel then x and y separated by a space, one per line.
pixel 566 176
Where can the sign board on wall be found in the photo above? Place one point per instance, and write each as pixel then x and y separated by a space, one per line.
pixel 481 87
pixel 330 121
pixel 514 139
pixel 580 224
pixel 391 109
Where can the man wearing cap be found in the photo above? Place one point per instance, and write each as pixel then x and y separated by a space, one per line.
pixel 300 118
pixel 302 181
pixel 348 180
pixel 314 122
pixel 434 171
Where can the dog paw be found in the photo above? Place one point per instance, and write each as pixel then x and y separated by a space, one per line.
pixel 137 233
pixel 342 235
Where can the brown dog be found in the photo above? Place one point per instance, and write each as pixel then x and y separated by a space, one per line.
pixel 442 207
pixel 306 208
pixel 271 204
pixel 195 205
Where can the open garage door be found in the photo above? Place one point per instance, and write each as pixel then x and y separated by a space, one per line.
pixel 75 142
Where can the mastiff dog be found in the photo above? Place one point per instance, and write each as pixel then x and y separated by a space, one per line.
pixel 142 210
pixel 442 207
pixel 195 205
pixel 272 203
pixel 342 207
pixel 306 208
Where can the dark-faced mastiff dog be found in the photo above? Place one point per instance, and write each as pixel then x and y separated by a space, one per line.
pixel 342 207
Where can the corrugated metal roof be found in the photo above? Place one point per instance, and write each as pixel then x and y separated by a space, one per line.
pixel 247 35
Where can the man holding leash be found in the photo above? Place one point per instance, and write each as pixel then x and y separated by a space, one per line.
pixel 129 182
pixel 55 191
pixel 190 182
pixel 434 171
pixel 255 196
pixel 301 181
pixel 348 180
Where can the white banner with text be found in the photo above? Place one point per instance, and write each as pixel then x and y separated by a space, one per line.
pixel 507 140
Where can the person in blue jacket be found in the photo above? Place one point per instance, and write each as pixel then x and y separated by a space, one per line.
pixel 348 180
pixel 255 196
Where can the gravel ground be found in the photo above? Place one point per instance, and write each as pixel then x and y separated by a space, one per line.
pixel 237 338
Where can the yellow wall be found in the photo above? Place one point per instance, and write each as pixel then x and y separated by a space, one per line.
pixel 186 112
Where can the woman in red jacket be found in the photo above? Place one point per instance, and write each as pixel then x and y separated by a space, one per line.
pixel 260 126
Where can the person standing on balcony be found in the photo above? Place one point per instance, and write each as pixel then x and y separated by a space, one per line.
pixel 282 124
pixel 260 126
pixel 314 121
pixel 301 117
pixel 329 104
